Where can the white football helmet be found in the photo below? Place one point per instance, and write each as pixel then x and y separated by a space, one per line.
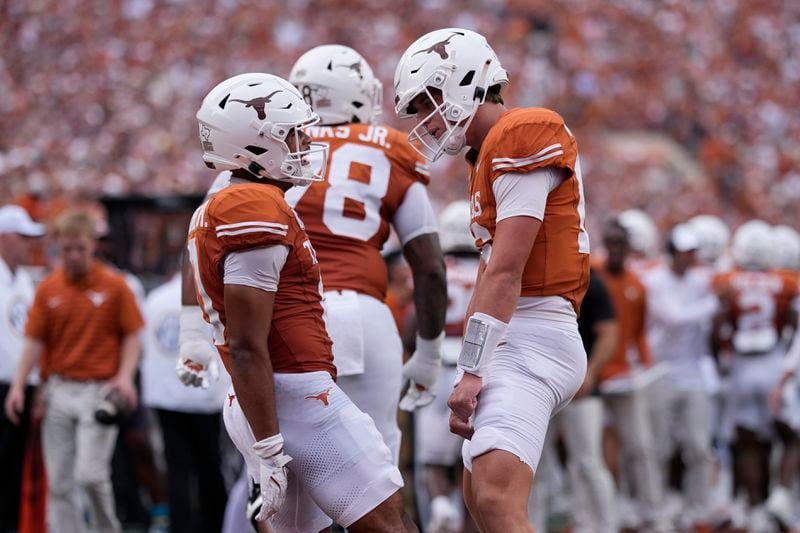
pixel 454 223
pixel 462 66
pixel 714 237
pixel 339 84
pixel 642 232
pixel 786 244
pixel 752 245
pixel 248 121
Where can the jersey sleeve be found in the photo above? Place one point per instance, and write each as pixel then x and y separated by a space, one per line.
pixel 414 216
pixel 259 268
pixel 249 218
pixel 524 194
pixel 35 326
pixel 537 139
pixel 130 317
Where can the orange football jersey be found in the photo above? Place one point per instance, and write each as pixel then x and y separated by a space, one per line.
pixel 629 297
pixel 348 215
pixel 758 300
pixel 251 215
pixel 520 142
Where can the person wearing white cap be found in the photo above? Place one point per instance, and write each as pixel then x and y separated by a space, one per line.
pixel 16 294
pixel 681 306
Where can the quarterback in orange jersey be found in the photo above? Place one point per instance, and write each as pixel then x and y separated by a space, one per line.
pixel 258 283
pixel 522 351
pixel 374 182
pixel 756 307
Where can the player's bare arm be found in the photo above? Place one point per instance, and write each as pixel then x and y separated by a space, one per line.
pixel 130 349
pixel 424 256
pixel 496 296
pixel 249 314
pixel 188 296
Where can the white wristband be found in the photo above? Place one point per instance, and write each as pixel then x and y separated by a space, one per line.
pixel 194 337
pixel 430 349
pixel 192 322
pixel 269 447
pixel 482 336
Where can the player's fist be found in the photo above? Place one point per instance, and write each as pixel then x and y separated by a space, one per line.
pixel 193 374
pixel 14 403
pixel 422 373
pixel 464 398
pixel 197 361
pixel 272 475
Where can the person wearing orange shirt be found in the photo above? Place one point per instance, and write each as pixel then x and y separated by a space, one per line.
pixel 314 456
pixel 522 351
pixel 624 394
pixel 375 183
pixel 83 332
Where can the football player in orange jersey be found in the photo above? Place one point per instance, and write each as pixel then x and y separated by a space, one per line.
pixel 258 283
pixel 756 305
pixel 375 182
pixel 522 351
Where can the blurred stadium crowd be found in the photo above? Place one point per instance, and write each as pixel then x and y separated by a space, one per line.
pixel 680 108
pixel 102 95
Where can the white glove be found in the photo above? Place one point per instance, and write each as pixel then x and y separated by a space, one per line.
pixel 272 475
pixel 197 361
pixel 422 372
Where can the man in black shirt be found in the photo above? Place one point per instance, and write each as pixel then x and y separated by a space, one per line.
pixel 581 422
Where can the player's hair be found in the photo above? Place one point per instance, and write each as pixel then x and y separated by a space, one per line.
pixel 76 223
pixel 493 94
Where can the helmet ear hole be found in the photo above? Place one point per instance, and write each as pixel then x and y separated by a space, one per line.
pixel 257 150
pixel 467 79
pixel 224 101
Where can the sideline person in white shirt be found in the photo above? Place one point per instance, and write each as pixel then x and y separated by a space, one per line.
pixel 681 306
pixel 16 295
pixel 190 418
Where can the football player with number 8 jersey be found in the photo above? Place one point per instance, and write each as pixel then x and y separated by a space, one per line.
pixel 258 284
pixel 522 351
pixel 375 182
